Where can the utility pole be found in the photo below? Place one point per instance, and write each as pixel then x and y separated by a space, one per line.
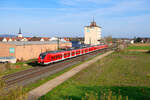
pixel 90 40
pixel 58 43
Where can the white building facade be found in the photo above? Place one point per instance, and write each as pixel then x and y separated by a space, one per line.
pixel 92 34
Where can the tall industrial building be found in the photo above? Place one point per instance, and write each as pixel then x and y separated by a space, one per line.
pixel 92 34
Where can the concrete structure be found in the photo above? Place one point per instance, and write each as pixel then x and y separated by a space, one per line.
pixel 92 34
pixel 29 50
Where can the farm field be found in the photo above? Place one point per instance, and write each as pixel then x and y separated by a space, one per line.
pixel 119 75
pixel 139 47
pixel 141 44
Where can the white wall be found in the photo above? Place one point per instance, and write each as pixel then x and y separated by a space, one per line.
pixel 92 35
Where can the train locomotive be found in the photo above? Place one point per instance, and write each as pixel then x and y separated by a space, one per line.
pixel 56 56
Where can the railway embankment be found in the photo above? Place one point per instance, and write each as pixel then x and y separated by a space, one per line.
pixel 43 89
pixel 9 68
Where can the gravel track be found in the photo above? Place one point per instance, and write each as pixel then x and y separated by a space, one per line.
pixel 31 75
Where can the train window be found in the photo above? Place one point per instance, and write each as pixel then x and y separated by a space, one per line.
pixel 73 53
pixel 42 56
pixel 65 55
pixel 59 56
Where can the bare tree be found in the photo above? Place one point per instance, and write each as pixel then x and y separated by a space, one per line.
pixel 108 39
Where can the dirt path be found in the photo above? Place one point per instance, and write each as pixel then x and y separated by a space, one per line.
pixel 43 89
pixel 138 50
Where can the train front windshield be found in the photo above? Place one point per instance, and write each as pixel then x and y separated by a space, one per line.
pixel 42 56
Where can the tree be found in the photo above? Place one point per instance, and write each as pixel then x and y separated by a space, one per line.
pixel 138 40
pixel 108 39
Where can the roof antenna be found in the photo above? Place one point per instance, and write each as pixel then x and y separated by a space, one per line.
pixel 19 30
pixel 93 18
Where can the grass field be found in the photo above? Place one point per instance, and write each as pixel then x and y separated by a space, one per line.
pixel 139 47
pixel 122 75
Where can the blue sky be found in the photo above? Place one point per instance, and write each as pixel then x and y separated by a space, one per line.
pixel 118 18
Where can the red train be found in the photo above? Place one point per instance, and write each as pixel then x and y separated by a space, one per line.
pixel 55 56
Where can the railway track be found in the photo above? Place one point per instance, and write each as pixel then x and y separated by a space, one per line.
pixel 31 75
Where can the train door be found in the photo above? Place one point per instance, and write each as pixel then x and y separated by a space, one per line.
pixel 65 55
pixel 73 53
pixel 77 52
pixel 82 51
pixel 52 58
pixel 68 54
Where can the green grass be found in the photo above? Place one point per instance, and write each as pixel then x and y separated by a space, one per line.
pixel 139 47
pixel 124 73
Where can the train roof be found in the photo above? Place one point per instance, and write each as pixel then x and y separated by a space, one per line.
pixel 69 49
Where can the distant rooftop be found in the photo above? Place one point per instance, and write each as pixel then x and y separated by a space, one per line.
pixel 93 24
pixel 33 42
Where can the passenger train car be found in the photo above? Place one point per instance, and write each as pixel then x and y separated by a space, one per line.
pixel 55 56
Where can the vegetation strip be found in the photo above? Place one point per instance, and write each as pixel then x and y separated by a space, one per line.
pixel 139 47
pixel 53 83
